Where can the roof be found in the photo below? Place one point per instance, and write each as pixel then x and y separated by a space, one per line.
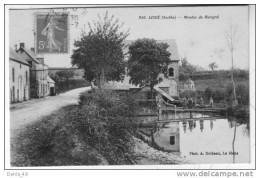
pixel 30 54
pixel 65 68
pixel 49 80
pixel 172 48
pixel 16 57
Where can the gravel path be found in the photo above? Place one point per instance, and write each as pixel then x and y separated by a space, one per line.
pixel 24 113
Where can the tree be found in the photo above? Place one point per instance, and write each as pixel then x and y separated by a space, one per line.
pixel 232 38
pixel 100 52
pixel 186 68
pixel 147 60
pixel 65 75
pixel 213 66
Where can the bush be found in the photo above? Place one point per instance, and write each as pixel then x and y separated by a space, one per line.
pixel 240 114
pixel 63 86
pixel 53 141
pixel 104 120
pixel 226 74
pixel 188 93
pixel 242 92
pixel 64 81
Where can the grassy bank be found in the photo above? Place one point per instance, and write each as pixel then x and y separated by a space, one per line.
pixel 96 132
pixel 216 83
pixel 54 141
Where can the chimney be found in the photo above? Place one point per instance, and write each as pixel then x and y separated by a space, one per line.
pixel 22 45
pixel 41 60
pixel 33 50
pixel 15 47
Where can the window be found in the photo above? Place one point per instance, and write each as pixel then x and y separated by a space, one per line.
pixel 20 66
pixel 171 72
pixel 26 76
pixel 13 74
pixel 13 94
pixel 172 140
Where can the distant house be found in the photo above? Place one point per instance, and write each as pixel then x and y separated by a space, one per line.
pixel 19 83
pixel 38 72
pixel 169 83
pixel 51 86
pixel 189 85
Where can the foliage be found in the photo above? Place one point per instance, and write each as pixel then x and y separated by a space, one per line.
pixel 217 74
pixel 62 85
pixel 213 66
pixel 242 92
pixel 187 69
pixel 65 75
pixel 100 52
pixel 241 114
pixel 147 60
pixel 208 93
pixel 188 93
pixel 99 131
pixel 53 141
pixel 104 119
pixel 226 94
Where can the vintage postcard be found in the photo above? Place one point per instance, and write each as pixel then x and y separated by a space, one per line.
pixel 130 87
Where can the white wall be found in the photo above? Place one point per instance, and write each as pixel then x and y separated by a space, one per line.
pixel 19 72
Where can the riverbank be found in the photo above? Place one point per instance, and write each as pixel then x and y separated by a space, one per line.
pixel 57 140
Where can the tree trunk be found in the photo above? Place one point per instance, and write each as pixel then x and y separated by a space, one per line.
pixel 151 87
pixel 102 79
pixel 232 78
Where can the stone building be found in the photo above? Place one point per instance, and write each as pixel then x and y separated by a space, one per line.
pixel 189 85
pixel 19 83
pixel 169 83
pixel 39 86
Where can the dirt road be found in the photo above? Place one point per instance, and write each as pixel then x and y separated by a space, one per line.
pixel 27 112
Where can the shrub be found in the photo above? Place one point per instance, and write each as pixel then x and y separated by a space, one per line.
pixel 242 92
pixel 239 114
pixel 104 120
pixel 208 93
pixel 188 93
pixel 53 141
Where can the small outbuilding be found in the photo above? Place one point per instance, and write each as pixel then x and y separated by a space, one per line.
pixel 189 85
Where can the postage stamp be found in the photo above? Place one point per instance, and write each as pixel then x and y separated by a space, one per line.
pixel 51 32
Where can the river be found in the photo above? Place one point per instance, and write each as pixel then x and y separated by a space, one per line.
pixel 204 141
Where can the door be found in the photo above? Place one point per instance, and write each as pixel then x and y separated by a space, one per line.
pixel 20 88
pixel 52 92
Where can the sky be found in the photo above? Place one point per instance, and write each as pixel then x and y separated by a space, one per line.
pixel 202 41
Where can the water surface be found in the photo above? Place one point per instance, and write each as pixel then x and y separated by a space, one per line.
pixel 205 141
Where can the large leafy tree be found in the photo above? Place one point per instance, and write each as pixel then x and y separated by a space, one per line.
pixel 148 59
pixel 100 51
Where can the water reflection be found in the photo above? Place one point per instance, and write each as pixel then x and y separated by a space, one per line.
pixel 214 141
pixel 168 137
